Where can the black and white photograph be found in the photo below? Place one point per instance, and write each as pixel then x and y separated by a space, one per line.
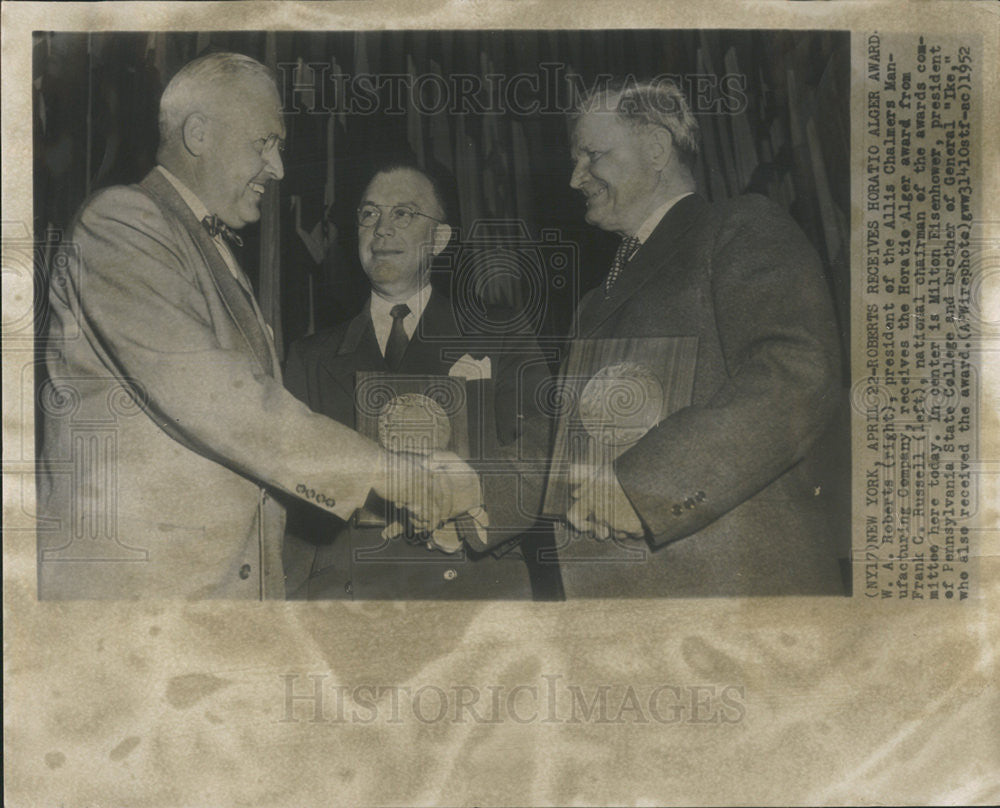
pixel 499 406
pixel 446 202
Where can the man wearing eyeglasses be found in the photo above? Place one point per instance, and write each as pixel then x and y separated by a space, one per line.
pixel 715 498
pixel 408 328
pixel 166 429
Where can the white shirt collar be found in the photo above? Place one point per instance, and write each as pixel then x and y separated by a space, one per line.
pixel 197 206
pixel 648 226
pixel 381 309
pixel 200 212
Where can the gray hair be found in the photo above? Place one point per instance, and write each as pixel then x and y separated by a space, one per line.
pixel 655 103
pixel 197 81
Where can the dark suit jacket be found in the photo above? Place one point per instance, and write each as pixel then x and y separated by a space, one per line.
pixel 355 562
pixel 719 484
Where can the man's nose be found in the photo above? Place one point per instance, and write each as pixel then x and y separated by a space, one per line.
pixel 383 226
pixel 576 178
pixel 275 166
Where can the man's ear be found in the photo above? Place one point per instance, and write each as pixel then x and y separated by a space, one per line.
pixel 195 132
pixel 442 235
pixel 659 147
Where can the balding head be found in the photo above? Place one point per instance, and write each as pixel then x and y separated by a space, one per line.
pixel 201 85
pixel 633 150
pixel 222 133
pixel 657 104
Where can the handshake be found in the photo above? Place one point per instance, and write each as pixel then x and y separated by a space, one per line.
pixel 434 490
pixel 599 506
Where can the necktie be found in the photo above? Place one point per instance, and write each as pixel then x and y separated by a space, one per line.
pixel 624 254
pixel 395 347
pixel 216 227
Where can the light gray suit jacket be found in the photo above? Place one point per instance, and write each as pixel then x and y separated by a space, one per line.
pixel 164 421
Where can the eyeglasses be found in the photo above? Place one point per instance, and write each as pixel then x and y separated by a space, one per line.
pixel 400 216
pixel 263 145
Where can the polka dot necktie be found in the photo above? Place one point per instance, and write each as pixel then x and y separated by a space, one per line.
pixel 625 252
pixel 395 347
pixel 216 227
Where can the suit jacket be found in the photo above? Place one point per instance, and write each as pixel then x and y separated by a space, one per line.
pixel 165 423
pixel 351 561
pixel 719 485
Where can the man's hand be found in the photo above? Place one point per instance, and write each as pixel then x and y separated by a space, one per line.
pixel 600 507
pixel 406 482
pixel 432 489
pixel 446 539
pixel 460 491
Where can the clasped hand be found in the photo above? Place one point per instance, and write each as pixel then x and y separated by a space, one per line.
pixel 599 506
pixel 433 489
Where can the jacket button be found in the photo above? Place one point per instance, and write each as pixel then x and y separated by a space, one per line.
pixel 245 571
pixel 700 496
pixel 677 510
pixel 349 588
pixel 450 575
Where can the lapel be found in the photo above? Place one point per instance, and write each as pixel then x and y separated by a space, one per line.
pixel 435 333
pixel 237 301
pixel 358 350
pixel 651 260
pixel 360 339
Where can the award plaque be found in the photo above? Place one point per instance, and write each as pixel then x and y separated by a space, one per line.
pixel 612 392
pixel 412 414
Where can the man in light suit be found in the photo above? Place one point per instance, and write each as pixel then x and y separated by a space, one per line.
pixel 166 429
pixel 714 498
pixel 407 328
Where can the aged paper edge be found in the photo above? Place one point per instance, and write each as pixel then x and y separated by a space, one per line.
pixel 977 620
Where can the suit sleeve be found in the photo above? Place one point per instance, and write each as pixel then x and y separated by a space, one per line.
pixel 777 331
pixel 144 308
